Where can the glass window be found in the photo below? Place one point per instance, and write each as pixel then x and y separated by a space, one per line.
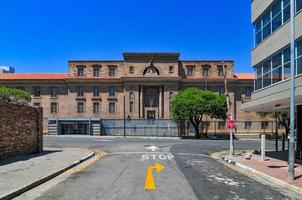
pixel 221 125
pixel 299 48
pixel 37 91
pixel 298 5
pixel 80 107
pixel 112 91
pixel 276 15
pixel 205 71
pixel 264 125
pixel 190 71
pixel 266 25
pixel 287 71
pixel 131 69
pixel 131 106
pixel 112 71
pixel 221 90
pixel 220 71
pixel 54 91
pixel 299 65
pixel 267 66
pixel 111 107
pixel 277 60
pixel 286 55
pixel 96 71
pixel 258 70
pixel 286 10
pixel 80 71
pixel 248 125
pixel 171 69
pixel 80 91
pixel 96 91
pixel 248 91
pixel 258 83
pixel 53 107
pixel 96 107
pixel 277 74
pixel 267 79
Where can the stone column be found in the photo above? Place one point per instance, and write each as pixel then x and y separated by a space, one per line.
pixel 141 103
pixel 160 102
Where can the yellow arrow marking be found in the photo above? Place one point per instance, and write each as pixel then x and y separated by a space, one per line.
pixel 149 183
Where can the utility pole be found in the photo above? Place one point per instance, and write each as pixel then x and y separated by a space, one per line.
pixel 291 147
pixel 229 113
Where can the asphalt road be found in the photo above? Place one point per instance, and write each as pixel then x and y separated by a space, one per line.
pixel 188 172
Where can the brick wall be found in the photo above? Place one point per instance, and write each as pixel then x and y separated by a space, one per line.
pixel 20 130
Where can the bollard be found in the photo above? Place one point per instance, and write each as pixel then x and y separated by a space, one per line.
pixel 263 147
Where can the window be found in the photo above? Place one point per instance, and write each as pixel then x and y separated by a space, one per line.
pixel 53 107
pixel 190 71
pixel 54 91
pixel 206 71
pixel 37 104
pixel 96 91
pixel 248 91
pixel 264 125
pixel 131 106
pixel 298 5
pixel 171 69
pixel 248 125
pixel 131 96
pixel 131 69
pixel 111 107
pixel 221 90
pixel 80 91
pixel 273 18
pixel 37 91
pixel 80 107
pixel 80 71
pixel 112 91
pixel 299 57
pixel 96 107
pixel 96 71
pixel 171 95
pixel 112 71
pixel 220 71
pixel 221 125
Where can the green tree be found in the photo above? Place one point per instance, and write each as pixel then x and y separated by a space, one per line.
pixel 281 117
pixel 193 104
pixel 13 95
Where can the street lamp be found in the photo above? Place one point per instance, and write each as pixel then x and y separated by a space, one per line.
pixel 291 147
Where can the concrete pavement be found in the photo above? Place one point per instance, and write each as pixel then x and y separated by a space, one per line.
pixel 18 174
pixel 190 174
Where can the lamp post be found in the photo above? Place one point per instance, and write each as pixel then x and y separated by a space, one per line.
pixel 291 147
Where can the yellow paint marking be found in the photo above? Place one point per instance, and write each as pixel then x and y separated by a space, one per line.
pixel 149 183
pixel 100 154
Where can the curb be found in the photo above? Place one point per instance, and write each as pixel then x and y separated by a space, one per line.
pixel 228 161
pixel 45 179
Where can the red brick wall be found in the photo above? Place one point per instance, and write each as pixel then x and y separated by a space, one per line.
pixel 20 130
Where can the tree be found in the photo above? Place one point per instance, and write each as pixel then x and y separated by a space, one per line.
pixel 13 95
pixel 283 118
pixel 193 104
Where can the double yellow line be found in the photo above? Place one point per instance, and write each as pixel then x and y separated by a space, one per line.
pixel 99 155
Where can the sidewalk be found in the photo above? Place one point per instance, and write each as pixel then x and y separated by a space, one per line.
pixel 21 172
pixel 274 168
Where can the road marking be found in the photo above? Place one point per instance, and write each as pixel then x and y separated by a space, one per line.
pixel 100 154
pixel 159 156
pixel 152 148
pixel 149 183
pixel 102 140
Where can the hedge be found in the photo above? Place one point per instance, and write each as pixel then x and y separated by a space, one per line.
pixel 13 95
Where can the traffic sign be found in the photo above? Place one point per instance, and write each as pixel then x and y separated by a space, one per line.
pixel 231 124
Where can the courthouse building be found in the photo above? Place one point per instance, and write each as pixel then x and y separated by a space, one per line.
pixel 101 97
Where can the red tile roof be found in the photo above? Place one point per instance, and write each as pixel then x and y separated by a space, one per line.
pixel 244 76
pixel 33 76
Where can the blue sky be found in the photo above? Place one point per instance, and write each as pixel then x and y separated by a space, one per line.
pixel 41 36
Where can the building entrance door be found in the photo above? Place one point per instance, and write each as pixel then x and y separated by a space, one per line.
pixel 151 115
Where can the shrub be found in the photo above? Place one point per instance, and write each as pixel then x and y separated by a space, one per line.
pixel 13 95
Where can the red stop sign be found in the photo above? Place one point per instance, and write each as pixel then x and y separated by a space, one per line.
pixel 231 124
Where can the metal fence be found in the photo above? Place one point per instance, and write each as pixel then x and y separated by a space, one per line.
pixel 140 127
